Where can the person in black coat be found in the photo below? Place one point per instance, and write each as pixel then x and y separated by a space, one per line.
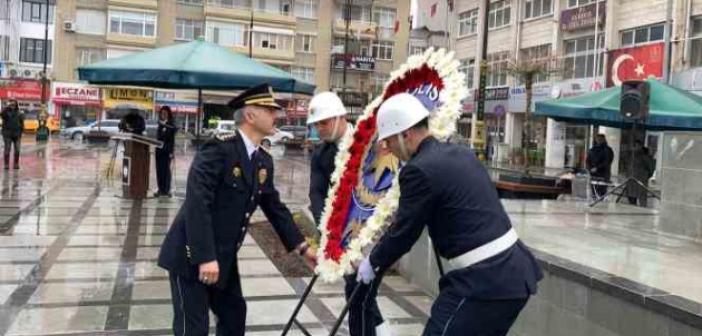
pixel 599 163
pixel 443 187
pixel 229 178
pixel 643 168
pixel 132 122
pixel 12 129
pixel 165 133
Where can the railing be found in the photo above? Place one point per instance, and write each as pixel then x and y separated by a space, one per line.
pixel 246 6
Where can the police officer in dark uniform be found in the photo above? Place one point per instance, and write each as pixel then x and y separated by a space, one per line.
pixel 229 178
pixel 327 115
pixel 445 188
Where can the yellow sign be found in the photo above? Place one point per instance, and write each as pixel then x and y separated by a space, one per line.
pixel 140 98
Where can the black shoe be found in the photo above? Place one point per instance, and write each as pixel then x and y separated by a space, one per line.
pixel 16 167
pixel 157 194
pixel 6 167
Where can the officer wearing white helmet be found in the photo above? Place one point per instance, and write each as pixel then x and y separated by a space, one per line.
pixel 443 186
pixel 328 116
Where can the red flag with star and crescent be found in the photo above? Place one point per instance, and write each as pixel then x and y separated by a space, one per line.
pixel 635 63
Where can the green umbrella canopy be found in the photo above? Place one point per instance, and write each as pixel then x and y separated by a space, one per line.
pixel 670 108
pixel 194 65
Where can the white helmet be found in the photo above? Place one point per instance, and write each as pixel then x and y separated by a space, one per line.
pixel 325 105
pixel 399 113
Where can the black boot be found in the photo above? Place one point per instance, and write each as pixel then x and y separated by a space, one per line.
pixel 7 162
pixel 16 166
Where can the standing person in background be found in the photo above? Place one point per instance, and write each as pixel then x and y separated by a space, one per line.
pixel 166 133
pixel 599 163
pixel 12 128
pixel 644 165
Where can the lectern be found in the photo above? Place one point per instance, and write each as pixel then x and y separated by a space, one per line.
pixel 136 163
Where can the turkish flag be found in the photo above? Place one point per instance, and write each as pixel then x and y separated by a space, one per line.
pixel 635 63
pixel 433 10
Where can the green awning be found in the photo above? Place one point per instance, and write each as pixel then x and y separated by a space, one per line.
pixel 670 108
pixel 194 65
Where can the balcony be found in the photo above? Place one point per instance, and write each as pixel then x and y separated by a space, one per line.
pixel 145 4
pixel 231 10
pixel 362 29
pixel 274 56
pixel 131 40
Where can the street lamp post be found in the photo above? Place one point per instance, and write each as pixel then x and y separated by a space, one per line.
pixel 44 78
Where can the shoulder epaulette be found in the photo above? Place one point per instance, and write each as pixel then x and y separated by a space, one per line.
pixel 226 136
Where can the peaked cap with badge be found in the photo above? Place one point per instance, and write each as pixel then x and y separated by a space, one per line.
pixel 261 95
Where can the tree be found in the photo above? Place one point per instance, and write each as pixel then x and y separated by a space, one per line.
pixel 526 71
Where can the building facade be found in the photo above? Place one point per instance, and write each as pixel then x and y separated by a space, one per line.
pixel 304 37
pixel 595 44
pixel 22 51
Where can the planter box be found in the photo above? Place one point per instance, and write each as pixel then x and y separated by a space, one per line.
pixel 518 186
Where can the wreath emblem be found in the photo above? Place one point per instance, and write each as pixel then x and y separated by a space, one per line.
pixel 433 77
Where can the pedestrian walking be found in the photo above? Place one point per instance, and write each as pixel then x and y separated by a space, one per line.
pixel 443 187
pixel 229 178
pixel 12 129
pixel 643 168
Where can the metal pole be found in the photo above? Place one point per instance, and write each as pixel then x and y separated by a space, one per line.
pixel 479 136
pixel 347 19
pixel 199 114
pixel 299 305
pixel 667 32
pixel 596 45
pixel 46 58
pixel 251 24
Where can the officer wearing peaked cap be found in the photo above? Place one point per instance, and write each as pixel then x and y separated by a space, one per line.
pixel 445 188
pixel 229 178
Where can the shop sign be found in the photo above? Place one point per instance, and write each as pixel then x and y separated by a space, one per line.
pixel 353 62
pixel 355 99
pixel 20 89
pixel 582 17
pixel 140 98
pixel 78 93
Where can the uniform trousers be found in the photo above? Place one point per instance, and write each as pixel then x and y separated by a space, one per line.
pixel 192 301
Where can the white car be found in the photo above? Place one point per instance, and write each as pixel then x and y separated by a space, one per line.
pixel 80 132
pixel 279 137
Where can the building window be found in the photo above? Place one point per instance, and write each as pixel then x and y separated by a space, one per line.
pixel 35 11
pixel 272 41
pixel 416 50
pixel 303 74
pixel 385 19
pixel 378 81
pixel 642 35
pixel 90 21
pixel 467 67
pixel 578 3
pixel 133 23
pixel 382 50
pixel 86 56
pixel 579 59
pixel 32 51
pixel 537 8
pixel 497 68
pixel 468 22
pixel 191 2
pixel 4 47
pixel 537 55
pixel 188 30
pixel 696 42
pixel 305 43
pixel 499 14
pixel 357 13
pixel 306 9
pixel 4 10
pixel 226 34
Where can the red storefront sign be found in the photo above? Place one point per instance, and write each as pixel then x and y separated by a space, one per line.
pixel 76 94
pixel 636 63
pixel 21 89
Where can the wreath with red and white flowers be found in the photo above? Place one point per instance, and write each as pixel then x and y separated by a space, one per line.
pixel 436 72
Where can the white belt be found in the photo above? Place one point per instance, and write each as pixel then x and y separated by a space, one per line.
pixel 486 251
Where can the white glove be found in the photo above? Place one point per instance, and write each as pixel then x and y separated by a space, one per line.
pixel 365 272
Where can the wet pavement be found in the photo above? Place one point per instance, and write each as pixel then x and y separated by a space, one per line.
pixel 77 259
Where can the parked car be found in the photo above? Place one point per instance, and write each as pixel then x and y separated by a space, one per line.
pixel 81 132
pixel 220 127
pixel 279 137
pixel 299 132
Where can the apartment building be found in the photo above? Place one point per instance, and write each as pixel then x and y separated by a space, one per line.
pixel 305 37
pixel 596 44
pixel 22 49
